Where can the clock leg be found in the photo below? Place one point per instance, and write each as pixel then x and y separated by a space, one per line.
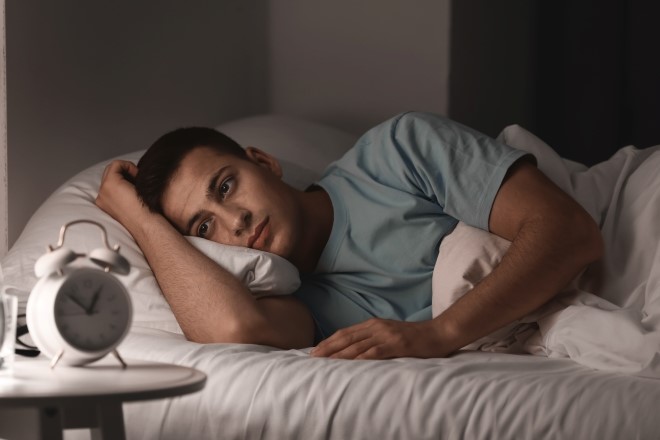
pixel 56 359
pixel 121 361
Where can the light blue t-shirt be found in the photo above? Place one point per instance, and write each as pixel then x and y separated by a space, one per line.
pixel 396 194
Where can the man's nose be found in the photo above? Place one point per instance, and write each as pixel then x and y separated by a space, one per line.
pixel 238 222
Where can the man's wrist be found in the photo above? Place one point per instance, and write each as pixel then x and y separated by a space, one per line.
pixel 444 336
pixel 141 222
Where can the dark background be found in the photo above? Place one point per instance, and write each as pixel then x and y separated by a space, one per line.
pixel 582 75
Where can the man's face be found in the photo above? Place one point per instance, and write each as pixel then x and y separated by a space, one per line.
pixel 235 201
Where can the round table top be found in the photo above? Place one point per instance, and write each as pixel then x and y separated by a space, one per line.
pixel 33 382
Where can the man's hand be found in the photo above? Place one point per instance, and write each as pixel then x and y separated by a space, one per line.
pixel 382 339
pixel 117 195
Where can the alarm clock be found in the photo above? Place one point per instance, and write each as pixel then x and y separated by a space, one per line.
pixel 78 311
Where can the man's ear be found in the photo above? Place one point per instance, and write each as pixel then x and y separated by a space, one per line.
pixel 265 160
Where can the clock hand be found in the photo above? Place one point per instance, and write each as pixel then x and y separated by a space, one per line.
pixel 90 310
pixel 75 301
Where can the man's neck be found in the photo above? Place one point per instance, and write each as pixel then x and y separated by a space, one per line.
pixel 318 217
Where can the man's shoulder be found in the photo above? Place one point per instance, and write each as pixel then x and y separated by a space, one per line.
pixel 409 120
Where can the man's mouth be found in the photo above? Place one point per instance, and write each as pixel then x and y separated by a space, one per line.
pixel 257 232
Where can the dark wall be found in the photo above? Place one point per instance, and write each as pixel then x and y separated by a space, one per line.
pixel 583 75
pixel 598 76
pixel 491 83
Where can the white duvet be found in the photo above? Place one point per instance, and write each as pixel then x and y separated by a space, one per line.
pixel 608 318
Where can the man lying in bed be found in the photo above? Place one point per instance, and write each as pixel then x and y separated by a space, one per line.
pixel 365 237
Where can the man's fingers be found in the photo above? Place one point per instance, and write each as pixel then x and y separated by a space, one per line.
pixel 122 167
pixel 340 341
pixel 378 351
pixel 381 339
pixel 354 351
pixel 129 168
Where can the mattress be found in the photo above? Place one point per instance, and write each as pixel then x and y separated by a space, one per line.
pixel 258 392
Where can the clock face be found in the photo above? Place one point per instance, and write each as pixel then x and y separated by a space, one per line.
pixel 92 310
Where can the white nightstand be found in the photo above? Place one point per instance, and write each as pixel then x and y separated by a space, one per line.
pixel 84 397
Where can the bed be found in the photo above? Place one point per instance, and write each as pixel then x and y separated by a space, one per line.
pixel 588 368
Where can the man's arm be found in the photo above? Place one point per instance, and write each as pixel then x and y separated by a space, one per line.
pixel 553 240
pixel 210 304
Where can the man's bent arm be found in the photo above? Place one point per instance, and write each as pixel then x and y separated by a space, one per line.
pixel 553 240
pixel 210 303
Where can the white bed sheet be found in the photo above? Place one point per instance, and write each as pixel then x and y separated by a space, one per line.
pixel 260 392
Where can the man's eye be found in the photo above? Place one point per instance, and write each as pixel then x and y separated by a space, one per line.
pixel 226 187
pixel 204 229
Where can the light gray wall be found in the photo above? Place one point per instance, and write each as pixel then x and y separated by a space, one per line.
pixel 355 63
pixel 4 218
pixel 88 80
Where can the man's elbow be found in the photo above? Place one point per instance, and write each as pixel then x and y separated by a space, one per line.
pixel 255 331
pixel 289 331
pixel 226 333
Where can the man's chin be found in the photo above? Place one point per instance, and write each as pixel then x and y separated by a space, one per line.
pixel 277 249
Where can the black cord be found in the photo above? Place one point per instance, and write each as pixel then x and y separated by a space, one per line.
pixel 27 349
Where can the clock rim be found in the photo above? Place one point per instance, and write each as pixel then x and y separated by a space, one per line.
pixel 111 278
pixel 40 317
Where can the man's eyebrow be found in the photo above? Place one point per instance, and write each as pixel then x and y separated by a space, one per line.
pixel 211 190
pixel 192 221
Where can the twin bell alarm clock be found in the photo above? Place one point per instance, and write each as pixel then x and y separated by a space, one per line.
pixel 78 312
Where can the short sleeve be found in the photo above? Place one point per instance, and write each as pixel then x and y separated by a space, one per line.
pixel 431 156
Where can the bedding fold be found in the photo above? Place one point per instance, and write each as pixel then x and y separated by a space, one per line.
pixel 609 317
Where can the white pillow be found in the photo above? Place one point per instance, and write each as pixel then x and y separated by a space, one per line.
pixel 305 148
pixel 308 144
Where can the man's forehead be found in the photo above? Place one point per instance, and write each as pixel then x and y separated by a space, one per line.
pixel 197 165
pixel 201 156
pixel 185 194
pixel 177 199
pixel 185 183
